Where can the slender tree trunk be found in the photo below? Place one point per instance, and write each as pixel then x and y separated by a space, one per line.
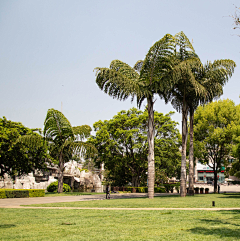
pixel 151 164
pixel 60 177
pixel 184 144
pixel 191 157
pixel 215 179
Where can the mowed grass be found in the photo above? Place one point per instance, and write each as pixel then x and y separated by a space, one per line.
pixel 55 194
pixel 52 224
pixel 196 201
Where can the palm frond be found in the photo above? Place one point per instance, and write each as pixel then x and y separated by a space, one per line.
pixel 56 125
pixel 119 81
pixel 158 61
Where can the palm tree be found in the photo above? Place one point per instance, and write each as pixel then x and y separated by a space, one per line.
pixel 212 76
pixel 62 139
pixel 148 77
pixel 65 140
pixel 183 76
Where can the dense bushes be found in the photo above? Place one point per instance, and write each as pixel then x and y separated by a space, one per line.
pixel 235 182
pixel 2 193
pixel 36 192
pixel 54 186
pixel 21 193
pixel 169 187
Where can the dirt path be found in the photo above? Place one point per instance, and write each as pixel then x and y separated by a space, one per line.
pixel 17 202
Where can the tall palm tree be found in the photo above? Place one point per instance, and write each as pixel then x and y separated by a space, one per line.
pixel 147 78
pixel 212 76
pixel 183 77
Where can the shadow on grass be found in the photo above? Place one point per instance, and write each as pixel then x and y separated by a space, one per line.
pixel 7 225
pixel 225 230
pixel 220 232
pixel 231 195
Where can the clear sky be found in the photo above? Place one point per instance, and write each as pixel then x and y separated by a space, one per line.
pixel 48 50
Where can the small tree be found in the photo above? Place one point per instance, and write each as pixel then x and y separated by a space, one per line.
pixel 215 126
pixel 18 158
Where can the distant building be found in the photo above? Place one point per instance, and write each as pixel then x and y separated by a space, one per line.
pixel 203 173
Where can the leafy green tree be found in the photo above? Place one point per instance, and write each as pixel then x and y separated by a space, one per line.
pixel 123 147
pixel 215 126
pixel 234 170
pixel 17 158
pixel 147 78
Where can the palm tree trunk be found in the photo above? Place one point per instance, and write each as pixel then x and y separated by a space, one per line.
pixel 60 177
pixel 184 144
pixel 191 165
pixel 151 164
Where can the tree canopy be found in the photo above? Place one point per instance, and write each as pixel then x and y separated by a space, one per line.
pixel 215 127
pixel 17 158
pixel 123 147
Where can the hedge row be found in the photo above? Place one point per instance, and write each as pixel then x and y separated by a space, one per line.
pixel 235 182
pixel 20 193
pixel 164 188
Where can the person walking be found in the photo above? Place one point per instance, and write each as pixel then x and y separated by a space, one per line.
pixel 218 187
pixel 107 192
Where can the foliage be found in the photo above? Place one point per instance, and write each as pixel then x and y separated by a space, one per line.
pixel 123 147
pixel 17 158
pixel 36 192
pixel 215 127
pixel 21 193
pixel 2 194
pixel 234 169
pixel 53 187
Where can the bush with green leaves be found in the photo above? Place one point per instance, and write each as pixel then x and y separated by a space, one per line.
pixel 53 187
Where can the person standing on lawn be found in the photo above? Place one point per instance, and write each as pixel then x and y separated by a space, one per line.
pixel 107 192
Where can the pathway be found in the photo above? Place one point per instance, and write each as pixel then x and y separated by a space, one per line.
pixel 16 202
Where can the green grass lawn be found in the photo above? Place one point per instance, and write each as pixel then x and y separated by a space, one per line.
pixel 55 194
pixel 52 224
pixel 196 201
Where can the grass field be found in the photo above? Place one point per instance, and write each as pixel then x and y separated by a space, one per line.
pixel 197 201
pixel 75 224
pixel 42 224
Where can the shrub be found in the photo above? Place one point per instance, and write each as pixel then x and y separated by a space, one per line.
pixel 141 189
pixel 16 193
pixel 36 192
pixel 54 186
pixel 2 193
pixel 159 189
pixel 235 182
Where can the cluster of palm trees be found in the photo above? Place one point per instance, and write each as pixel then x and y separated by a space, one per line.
pixel 173 71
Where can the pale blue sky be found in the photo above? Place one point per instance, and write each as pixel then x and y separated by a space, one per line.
pixel 50 48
